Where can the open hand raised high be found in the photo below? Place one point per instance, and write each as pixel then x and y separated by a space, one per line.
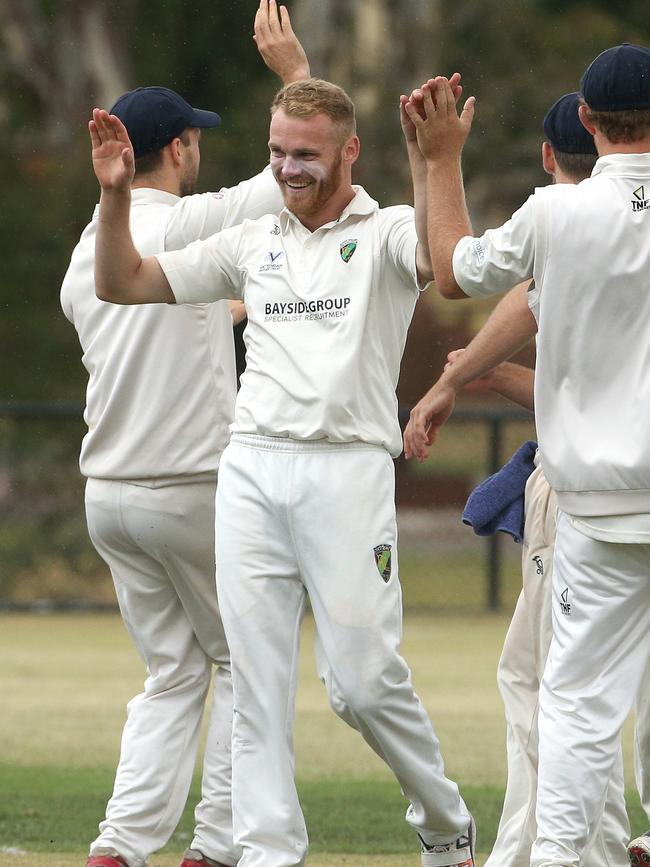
pixel 441 131
pixel 112 152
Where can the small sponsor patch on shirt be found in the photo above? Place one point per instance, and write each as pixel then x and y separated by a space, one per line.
pixel 478 251
pixel 639 202
pixel 271 262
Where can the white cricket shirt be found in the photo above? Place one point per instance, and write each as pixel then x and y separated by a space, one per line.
pixel 328 313
pixel 588 248
pixel 161 379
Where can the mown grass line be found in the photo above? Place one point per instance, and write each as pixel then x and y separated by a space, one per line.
pixel 56 810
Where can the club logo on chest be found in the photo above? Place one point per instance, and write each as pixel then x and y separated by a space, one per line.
pixel 347 249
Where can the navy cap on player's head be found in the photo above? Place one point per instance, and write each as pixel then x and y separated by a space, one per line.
pixel 618 79
pixel 153 116
pixel 563 129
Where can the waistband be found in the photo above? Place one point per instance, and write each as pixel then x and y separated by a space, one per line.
pixel 287 444
pixel 159 481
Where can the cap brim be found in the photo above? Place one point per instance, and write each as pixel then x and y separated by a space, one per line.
pixel 205 119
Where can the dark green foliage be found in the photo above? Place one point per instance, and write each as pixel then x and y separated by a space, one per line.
pixel 517 57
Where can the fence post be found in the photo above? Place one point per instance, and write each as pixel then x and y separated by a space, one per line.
pixel 494 541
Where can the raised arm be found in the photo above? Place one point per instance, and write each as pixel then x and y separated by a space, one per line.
pixel 441 134
pixel 418 167
pixel 121 275
pixel 508 328
pixel 278 44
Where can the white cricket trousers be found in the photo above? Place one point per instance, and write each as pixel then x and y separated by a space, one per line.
pixel 598 655
pixel 642 742
pixel 519 674
pixel 159 545
pixel 297 518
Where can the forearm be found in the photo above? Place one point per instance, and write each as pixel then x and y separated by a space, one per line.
pixel 516 383
pixel 116 259
pixel 447 221
pixel 419 179
pixel 509 327
pixel 121 275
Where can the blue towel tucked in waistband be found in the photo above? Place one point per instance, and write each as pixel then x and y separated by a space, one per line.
pixel 498 502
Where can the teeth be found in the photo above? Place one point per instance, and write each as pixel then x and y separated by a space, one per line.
pixel 297 186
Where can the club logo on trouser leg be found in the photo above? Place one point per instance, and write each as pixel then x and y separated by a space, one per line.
pixel 383 560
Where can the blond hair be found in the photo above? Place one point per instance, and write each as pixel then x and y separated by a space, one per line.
pixel 313 96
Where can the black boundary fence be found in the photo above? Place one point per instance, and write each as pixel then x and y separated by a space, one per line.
pixel 495 418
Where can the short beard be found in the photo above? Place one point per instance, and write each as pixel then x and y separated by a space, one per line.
pixel 329 186
pixel 188 184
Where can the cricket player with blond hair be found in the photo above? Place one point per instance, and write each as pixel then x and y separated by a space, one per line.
pixel 305 502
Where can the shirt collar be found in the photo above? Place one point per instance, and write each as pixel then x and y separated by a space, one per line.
pixel 151 194
pixel 360 205
pixel 147 195
pixel 623 165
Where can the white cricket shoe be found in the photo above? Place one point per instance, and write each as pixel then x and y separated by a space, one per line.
pixel 639 851
pixel 459 853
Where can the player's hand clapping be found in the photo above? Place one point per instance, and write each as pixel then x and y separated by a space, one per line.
pixel 441 131
pixel 416 100
pixel 112 152
pixel 427 416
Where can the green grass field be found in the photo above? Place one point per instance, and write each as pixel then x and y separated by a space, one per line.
pixel 65 681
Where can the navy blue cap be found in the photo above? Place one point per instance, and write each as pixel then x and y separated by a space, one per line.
pixel 563 129
pixel 153 116
pixel 618 79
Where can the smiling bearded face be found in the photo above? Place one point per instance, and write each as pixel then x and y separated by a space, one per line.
pixel 306 160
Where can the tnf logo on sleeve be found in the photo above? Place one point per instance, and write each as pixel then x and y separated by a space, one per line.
pixel 347 249
pixel 383 560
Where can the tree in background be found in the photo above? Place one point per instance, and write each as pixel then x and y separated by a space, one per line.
pixel 59 58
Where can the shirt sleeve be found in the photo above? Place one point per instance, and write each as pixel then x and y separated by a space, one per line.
pixel 401 241
pixel 533 300
pixel 207 270
pixel 66 302
pixel 199 216
pixel 499 259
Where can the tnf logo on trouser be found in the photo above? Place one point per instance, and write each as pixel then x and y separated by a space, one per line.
pixel 565 605
pixel 383 560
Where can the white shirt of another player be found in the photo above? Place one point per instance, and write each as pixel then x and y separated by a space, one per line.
pixel 162 386
pixel 328 313
pixel 592 391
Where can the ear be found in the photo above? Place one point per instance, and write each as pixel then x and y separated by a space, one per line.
pixel 175 148
pixel 584 119
pixel 548 158
pixel 351 150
